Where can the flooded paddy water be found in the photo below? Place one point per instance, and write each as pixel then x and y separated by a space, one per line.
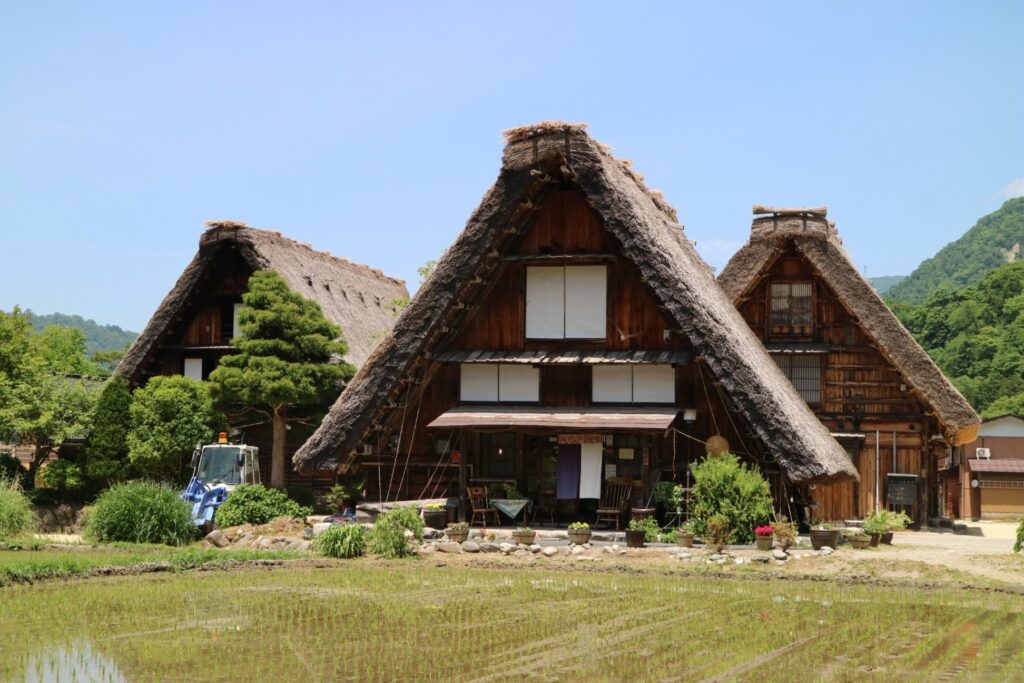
pixel 414 620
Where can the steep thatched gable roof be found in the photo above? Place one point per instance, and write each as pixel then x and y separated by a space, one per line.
pixel 645 226
pixel 354 297
pixel 817 240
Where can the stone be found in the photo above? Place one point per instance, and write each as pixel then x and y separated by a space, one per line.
pixel 471 547
pixel 506 548
pixel 263 543
pixel 217 538
pixel 489 547
pixel 534 548
pixel 409 535
pixel 320 527
pixel 577 550
pixel 550 551
pixel 305 545
pixel 430 533
pixel 615 547
pixel 716 557
pixel 825 551
pixel 739 560
pixel 449 547
pixel 522 552
pixel 762 559
pixel 684 556
pixel 602 536
pixel 779 554
pixel 428 549
pixel 780 562
pixel 586 558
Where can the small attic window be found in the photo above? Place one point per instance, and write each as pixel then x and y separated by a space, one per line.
pixel 791 306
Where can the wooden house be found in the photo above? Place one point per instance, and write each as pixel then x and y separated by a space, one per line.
pixel 192 328
pixel 984 479
pixel 853 362
pixel 569 336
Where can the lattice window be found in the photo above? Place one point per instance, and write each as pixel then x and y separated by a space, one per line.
pixel 1001 483
pixel 804 371
pixel 791 306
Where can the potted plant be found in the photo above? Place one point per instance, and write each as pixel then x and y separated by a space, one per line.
pixel 579 533
pixel 785 533
pixel 435 516
pixel 875 525
pixel 824 535
pixel 636 534
pixel 684 535
pixel 524 535
pixel 720 532
pixel 895 521
pixel 458 532
pixel 764 535
pixel 859 540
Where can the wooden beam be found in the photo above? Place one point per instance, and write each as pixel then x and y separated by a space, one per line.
pixel 556 258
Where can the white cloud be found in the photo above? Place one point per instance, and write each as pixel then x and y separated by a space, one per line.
pixel 1014 189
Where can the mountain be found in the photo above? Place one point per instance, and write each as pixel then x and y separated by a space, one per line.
pixel 97 337
pixel 886 282
pixel 996 239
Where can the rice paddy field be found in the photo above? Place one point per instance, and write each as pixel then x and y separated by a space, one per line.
pixel 417 620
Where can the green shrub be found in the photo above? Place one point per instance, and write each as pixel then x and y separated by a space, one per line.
pixel 140 512
pixel 256 504
pixel 387 538
pixel 1019 545
pixel 723 485
pixel 62 475
pixel 720 532
pixel 650 527
pixel 341 540
pixel 15 510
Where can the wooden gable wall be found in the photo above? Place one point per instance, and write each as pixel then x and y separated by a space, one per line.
pixel 861 391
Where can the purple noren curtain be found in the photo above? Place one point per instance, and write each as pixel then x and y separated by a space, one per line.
pixel 568 472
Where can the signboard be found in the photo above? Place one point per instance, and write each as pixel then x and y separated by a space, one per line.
pixel 901 489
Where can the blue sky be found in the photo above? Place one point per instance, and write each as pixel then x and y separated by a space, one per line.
pixel 372 130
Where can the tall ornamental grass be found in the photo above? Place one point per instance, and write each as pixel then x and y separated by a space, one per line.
pixel 141 512
pixel 15 510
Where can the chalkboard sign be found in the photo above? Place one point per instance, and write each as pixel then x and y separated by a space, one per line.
pixel 901 489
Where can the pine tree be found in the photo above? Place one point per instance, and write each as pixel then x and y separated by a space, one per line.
pixel 284 360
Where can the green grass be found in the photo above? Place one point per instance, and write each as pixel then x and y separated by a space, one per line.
pixel 413 620
pixel 27 566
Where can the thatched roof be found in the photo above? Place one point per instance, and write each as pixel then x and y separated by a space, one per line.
pixel 355 297
pixel 536 158
pixel 817 239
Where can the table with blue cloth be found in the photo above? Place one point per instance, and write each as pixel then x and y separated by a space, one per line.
pixel 511 507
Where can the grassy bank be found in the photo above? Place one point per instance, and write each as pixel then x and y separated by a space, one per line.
pixel 413 620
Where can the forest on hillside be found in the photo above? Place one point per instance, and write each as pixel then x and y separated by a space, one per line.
pixel 976 335
pixel 995 239
pixel 98 338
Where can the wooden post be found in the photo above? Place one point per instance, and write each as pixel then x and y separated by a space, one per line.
pixel 462 478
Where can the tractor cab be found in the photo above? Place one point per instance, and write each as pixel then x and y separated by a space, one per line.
pixel 216 470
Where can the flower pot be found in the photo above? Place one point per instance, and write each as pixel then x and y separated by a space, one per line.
pixel 875 538
pixel 764 542
pixel 579 536
pixel 640 514
pixel 860 542
pixel 524 537
pixel 824 537
pixel 887 538
pixel 435 519
pixel 458 536
pixel 635 538
pixel 685 539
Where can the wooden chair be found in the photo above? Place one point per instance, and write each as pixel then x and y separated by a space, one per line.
pixel 544 505
pixel 615 501
pixel 478 501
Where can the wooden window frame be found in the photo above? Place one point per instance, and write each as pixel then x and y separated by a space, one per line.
pixel 788 373
pixel 790 331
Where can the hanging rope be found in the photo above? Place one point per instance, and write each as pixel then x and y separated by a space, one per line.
pixel 714 420
pixel 398 448
pixel 443 460
pixel 415 424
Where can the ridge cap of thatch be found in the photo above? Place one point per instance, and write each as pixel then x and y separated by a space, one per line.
pixel 651 238
pixel 541 128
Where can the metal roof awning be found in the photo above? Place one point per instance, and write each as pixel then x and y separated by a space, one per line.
pixel 590 419
pixel 1009 466
pixel 565 357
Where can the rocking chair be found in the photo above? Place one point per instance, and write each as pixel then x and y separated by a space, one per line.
pixel 615 501
pixel 478 501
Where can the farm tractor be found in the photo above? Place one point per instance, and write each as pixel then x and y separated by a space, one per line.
pixel 216 470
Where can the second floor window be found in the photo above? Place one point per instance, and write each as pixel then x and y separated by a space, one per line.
pixel 566 302
pixel 791 308
pixel 804 371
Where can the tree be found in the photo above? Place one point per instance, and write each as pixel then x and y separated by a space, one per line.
pixel 42 407
pixel 168 417
pixel 284 360
pixel 105 456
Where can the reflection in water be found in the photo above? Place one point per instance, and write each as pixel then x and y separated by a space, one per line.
pixel 76 661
